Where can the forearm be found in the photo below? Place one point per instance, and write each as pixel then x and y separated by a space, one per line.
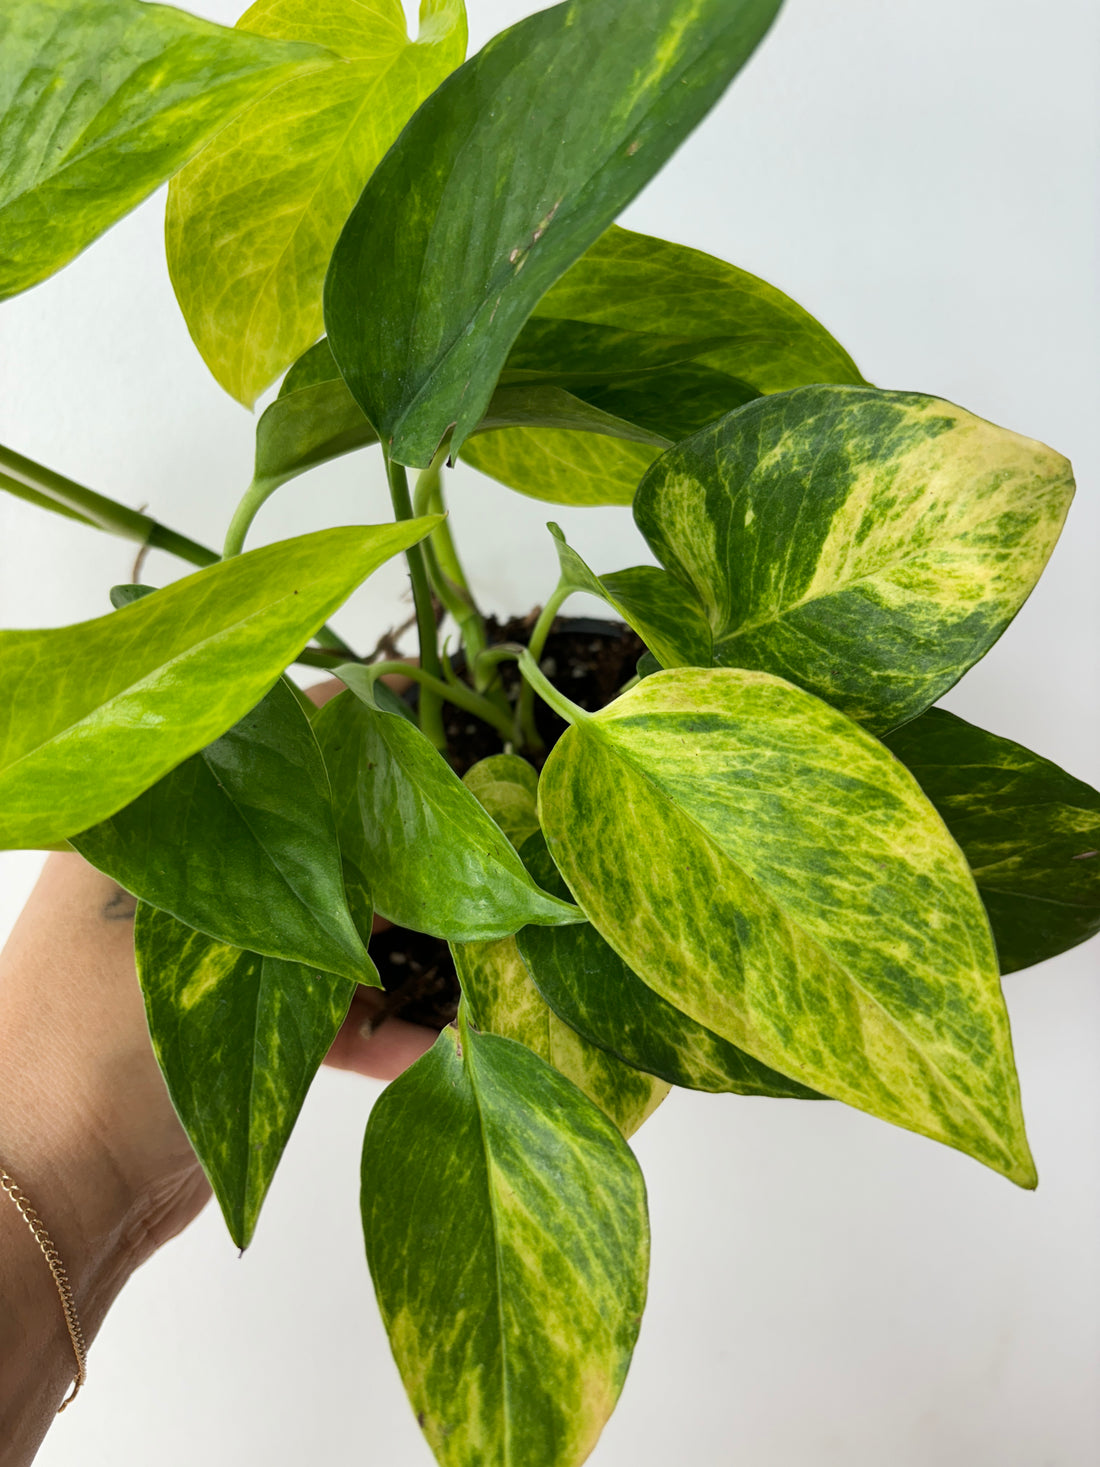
pixel 66 976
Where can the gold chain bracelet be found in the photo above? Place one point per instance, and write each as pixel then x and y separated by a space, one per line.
pixel 60 1278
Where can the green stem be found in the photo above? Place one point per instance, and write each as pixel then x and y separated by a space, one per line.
pixel 431 708
pixel 444 566
pixel 535 678
pixel 525 708
pixel 52 490
pixel 456 693
pixel 96 509
pixel 253 498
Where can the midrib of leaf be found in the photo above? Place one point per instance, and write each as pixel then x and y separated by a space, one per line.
pixel 463 1045
pixel 55 173
pixel 836 962
pixel 270 858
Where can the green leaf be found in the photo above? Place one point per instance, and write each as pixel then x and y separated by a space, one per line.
pixel 1030 831
pixel 662 610
pixel 91 715
pixel 503 1000
pixel 869 546
pixel 240 843
pixel 501 180
pixel 238 1038
pixel 431 856
pixel 506 1231
pixel 100 102
pixel 506 786
pixel 768 868
pixel 560 466
pixel 586 984
pixel 253 220
pixel 741 336
pixel 738 323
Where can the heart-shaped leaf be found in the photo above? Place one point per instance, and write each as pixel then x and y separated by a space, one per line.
pixel 91 715
pixel 240 842
pixel 430 855
pixel 100 102
pixel 253 220
pixel 506 175
pixel 735 338
pixel 586 983
pixel 769 869
pixel 503 1000
pixel 1030 831
pixel 869 546
pixel 238 1038
pixel 506 1231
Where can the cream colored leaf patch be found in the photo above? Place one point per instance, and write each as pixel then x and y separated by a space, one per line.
pixel 769 869
pixel 253 219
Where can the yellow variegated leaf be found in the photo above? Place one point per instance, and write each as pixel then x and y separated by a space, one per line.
pixel 503 1000
pixel 869 546
pixel 506 1231
pixel 769 869
pixel 253 219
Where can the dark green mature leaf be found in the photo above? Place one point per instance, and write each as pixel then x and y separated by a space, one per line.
pixel 240 842
pixel 869 546
pixel 100 102
pixel 503 1000
pixel 1030 831
pixel 252 221
pixel 768 868
pixel 91 715
pixel 502 179
pixel 587 984
pixel 735 336
pixel 431 857
pixel 662 610
pixel 506 1231
pixel 238 1038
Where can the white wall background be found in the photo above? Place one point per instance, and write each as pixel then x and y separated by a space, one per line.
pixel 826 1291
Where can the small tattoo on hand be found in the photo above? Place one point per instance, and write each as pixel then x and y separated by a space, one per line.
pixel 121 907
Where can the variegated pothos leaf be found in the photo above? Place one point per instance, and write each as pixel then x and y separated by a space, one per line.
pixel 238 1038
pixel 1030 831
pixel 506 1231
pixel 869 546
pixel 769 869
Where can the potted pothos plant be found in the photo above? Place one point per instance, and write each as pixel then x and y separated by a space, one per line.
pixel 760 861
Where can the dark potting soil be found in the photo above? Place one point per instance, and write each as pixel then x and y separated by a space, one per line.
pixel 589 661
